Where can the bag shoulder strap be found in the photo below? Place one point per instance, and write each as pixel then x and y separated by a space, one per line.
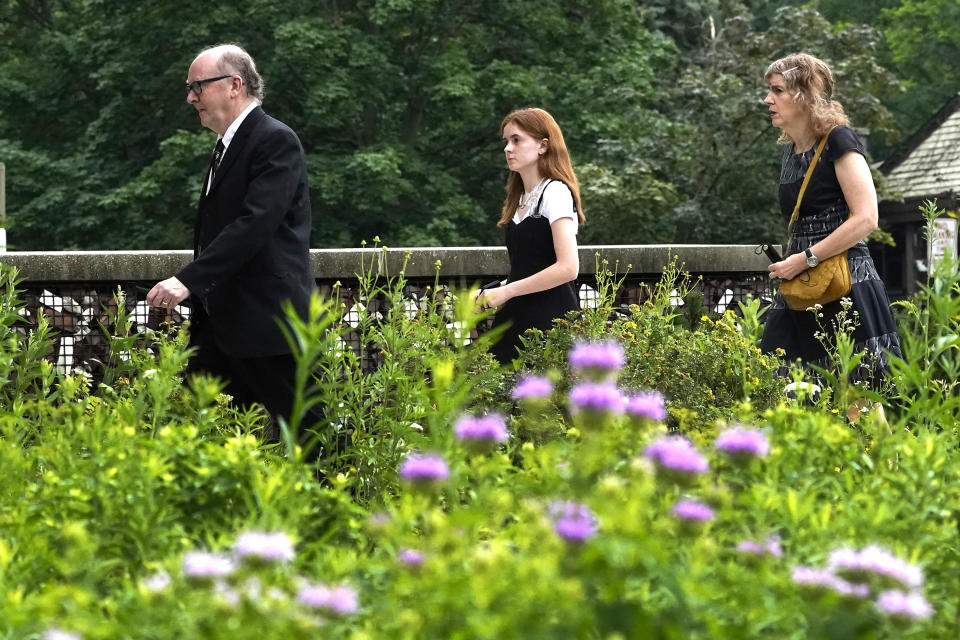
pixel 806 180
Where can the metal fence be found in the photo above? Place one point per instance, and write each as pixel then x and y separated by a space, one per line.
pixel 78 291
pixel 83 314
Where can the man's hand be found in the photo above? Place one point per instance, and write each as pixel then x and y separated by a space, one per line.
pixel 167 294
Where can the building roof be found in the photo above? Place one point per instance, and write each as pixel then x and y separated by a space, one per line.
pixel 928 163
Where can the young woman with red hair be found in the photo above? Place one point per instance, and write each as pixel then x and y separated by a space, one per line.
pixel 541 213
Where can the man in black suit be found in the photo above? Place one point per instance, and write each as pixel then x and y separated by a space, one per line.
pixel 251 239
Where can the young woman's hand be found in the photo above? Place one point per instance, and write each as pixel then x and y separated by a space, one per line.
pixel 490 298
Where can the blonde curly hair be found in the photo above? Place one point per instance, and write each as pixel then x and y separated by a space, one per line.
pixel 809 80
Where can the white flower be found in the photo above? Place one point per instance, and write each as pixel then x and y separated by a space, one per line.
pixel 157 582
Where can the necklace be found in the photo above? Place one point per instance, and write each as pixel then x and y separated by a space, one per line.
pixel 527 198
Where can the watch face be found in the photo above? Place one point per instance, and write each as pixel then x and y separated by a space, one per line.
pixel 812 261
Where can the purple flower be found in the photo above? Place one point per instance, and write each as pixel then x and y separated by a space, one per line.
pixel 574 522
pixel 648 406
pixel 410 557
pixel 597 359
pixel 907 607
pixel 677 456
pixel 751 547
pixel 874 561
pixel 845 588
pixel 773 546
pixel 596 398
pixel 272 547
pixel 200 564
pixel 532 388
pixel 340 600
pixel 59 634
pixel 424 469
pixel 483 433
pixel 379 520
pixel 809 576
pixel 825 580
pixel 741 443
pixel 693 511
pixel 770 546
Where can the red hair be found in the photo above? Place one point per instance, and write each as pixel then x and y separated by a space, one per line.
pixel 553 163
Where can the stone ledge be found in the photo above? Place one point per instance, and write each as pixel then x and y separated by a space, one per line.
pixel 344 264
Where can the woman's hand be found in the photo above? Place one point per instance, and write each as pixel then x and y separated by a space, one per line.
pixel 489 298
pixel 790 267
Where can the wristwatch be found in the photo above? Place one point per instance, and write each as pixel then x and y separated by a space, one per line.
pixel 812 260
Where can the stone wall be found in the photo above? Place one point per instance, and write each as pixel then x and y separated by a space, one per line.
pixel 80 292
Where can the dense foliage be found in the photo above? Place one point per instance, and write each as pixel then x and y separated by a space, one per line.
pixel 398 104
pixel 477 502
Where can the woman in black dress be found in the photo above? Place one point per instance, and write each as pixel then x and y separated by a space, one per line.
pixel 837 212
pixel 541 213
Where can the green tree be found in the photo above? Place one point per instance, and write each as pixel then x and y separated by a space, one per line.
pixel 921 45
pixel 397 102
pixel 924 38
pixel 398 105
pixel 731 179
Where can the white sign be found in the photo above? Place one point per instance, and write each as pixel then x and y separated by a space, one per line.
pixel 943 244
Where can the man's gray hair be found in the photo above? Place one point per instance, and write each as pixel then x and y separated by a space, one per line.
pixel 235 60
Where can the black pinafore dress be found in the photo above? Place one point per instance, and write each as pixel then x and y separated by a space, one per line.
pixel 530 247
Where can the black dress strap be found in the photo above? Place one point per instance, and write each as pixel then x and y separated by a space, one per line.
pixel 536 211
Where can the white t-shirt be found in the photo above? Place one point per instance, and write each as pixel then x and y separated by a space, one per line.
pixel 557 203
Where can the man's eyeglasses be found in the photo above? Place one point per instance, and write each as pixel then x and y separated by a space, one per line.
pixel 197 85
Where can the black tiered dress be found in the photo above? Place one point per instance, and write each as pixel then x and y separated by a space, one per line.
pixel 822 210
pixel 530 247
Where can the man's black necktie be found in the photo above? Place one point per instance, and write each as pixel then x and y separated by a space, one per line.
pixel 216 158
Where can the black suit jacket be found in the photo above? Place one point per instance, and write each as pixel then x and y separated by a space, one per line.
pixel 252 242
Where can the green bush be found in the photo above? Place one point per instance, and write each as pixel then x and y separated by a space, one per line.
pixel 705 368
pixel 567 529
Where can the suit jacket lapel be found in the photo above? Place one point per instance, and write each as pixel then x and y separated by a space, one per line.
pixel 239 140
pixel 235 148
